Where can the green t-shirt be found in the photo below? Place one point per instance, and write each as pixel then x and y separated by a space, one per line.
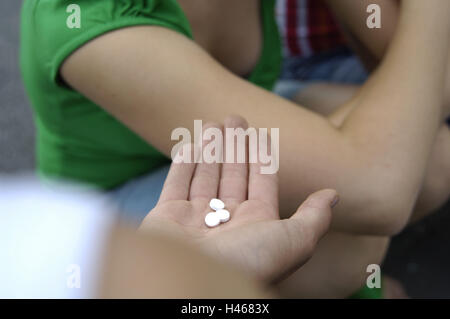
pixel 76 139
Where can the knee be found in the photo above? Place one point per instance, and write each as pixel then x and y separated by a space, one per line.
pixel 338 269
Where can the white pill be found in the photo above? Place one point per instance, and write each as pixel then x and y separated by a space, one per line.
pixel 224 215
pixel 216 204
pixel 212 219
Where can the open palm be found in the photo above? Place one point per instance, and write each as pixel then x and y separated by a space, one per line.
pixel 254 239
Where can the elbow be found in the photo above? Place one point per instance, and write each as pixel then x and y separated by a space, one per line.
pixel 389 214
pixel 392 221
pixel 384 201
pixel 374 217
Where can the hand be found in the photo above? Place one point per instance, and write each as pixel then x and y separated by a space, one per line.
pixel 254 239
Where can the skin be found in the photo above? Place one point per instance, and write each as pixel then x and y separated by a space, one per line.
pixel 254 239
pixel 148 265
pixel 371 163
pixel 372 44
pixel 378 172
pixel 254 246
pixel 435 188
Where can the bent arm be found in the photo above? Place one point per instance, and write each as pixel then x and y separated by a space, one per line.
pixel 154 80
pixel 370 44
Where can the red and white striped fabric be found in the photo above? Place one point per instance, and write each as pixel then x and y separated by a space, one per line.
pixel 307 27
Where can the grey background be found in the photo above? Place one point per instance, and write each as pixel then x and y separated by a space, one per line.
pixel 419 257
pixel 16 125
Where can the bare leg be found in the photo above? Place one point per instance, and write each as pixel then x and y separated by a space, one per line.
pixel 338 267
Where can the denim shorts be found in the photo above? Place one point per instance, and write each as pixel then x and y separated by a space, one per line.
pixel 137 197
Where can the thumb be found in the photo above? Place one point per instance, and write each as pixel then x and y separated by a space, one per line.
pixel 315 212
pixel 310 223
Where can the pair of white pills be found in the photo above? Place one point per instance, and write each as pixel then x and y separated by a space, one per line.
pixel 220 214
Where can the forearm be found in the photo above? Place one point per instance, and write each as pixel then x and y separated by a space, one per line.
pixel 153 265
pixel 371 44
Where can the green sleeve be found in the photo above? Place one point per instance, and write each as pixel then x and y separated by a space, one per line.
pixel 54 41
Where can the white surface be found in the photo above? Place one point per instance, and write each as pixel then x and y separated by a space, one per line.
pixel 46 232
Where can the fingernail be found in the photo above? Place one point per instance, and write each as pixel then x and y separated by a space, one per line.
pixel 335 201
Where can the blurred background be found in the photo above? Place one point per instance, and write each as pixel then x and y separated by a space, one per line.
pixel 419 257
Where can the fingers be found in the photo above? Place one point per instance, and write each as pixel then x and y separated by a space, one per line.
pixel 178 181
pixel 234 177
pixel 310 223
pixel 205 181
pixel 262 187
